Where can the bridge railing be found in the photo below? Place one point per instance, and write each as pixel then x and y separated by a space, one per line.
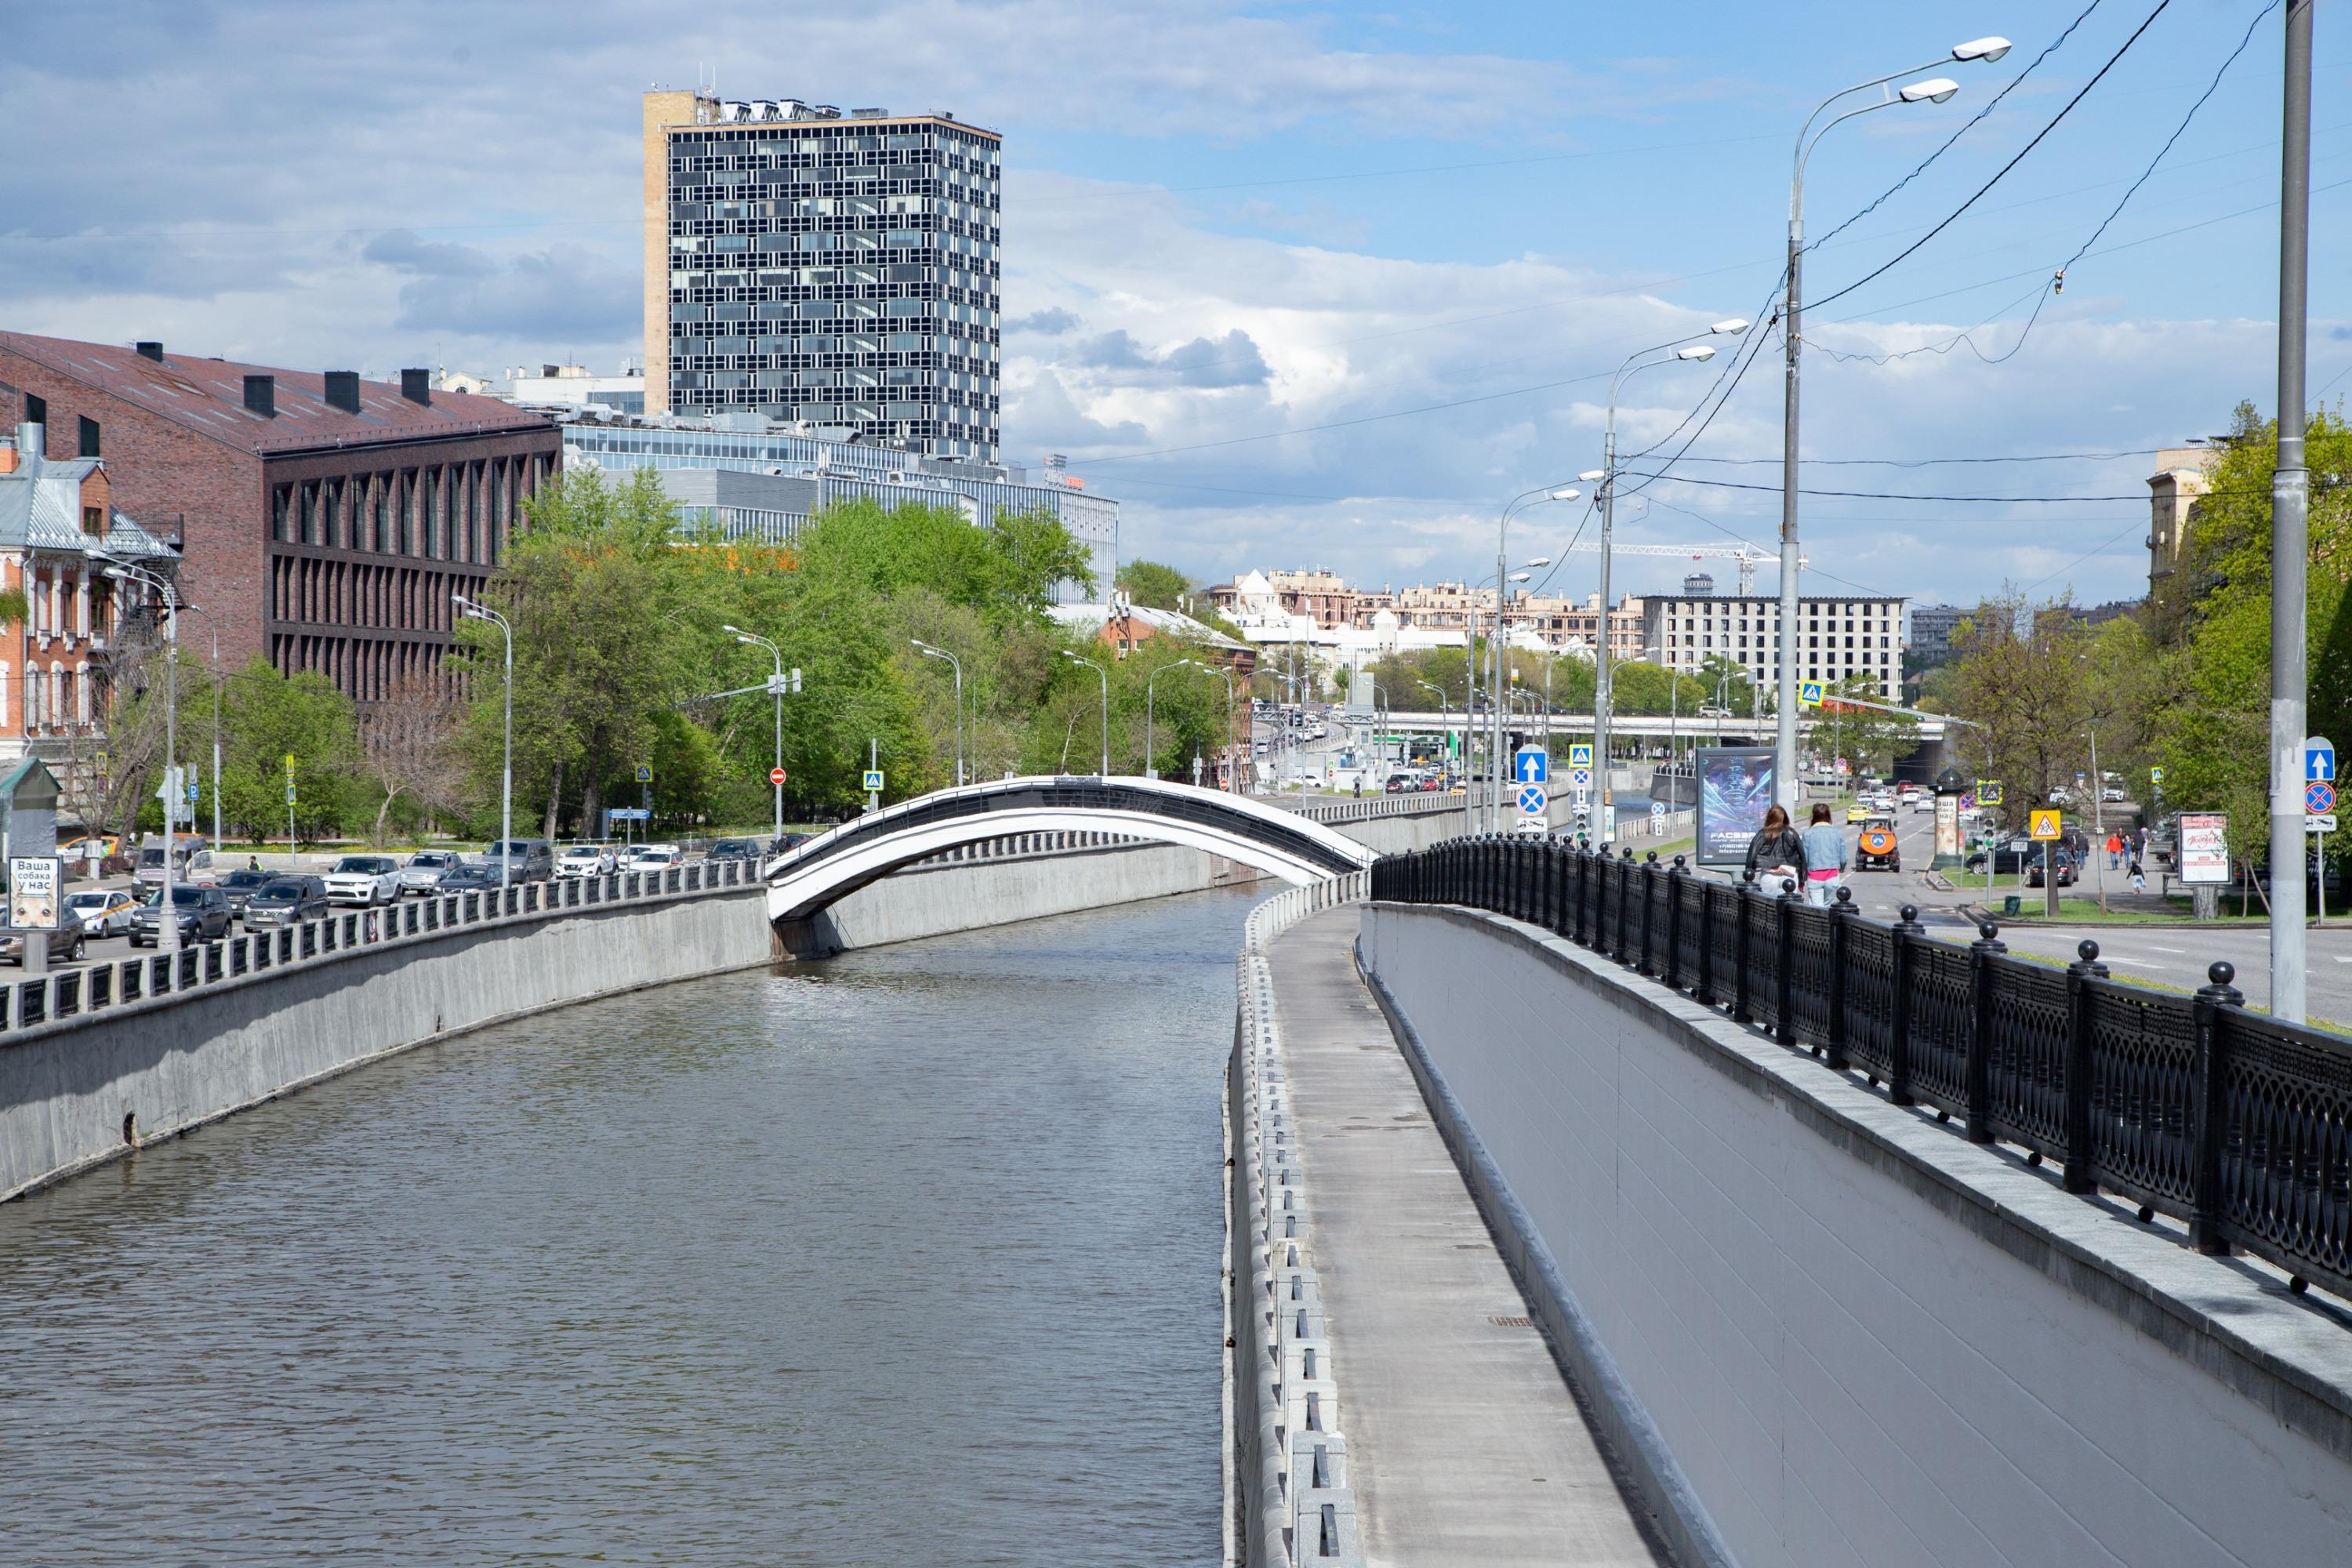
pixel 1347 808
pixel 64 995
pixel 2188 1106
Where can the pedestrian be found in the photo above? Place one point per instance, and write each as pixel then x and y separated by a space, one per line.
pixel 1775 850
pixel 253 862
pixel 2138 877
pixel 1825 858
pixel 2115 850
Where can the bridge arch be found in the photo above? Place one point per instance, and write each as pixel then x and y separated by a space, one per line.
pixel 805 881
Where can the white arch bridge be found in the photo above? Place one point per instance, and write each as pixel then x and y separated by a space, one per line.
pixel 802 883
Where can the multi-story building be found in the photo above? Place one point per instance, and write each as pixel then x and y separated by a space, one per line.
pixel 750 480
pixel 323 521
pixel 59 531
pixel 1932 626
pixel 2182 474
pixel 804 264
pixel 571 386
pixel 1836 639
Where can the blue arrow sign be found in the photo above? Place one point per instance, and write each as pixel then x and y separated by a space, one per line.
pixel 2319 758
pixel 1535 768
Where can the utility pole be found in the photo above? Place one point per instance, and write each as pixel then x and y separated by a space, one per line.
pixel 2290 528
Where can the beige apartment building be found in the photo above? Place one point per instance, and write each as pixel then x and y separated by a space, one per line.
pixel 2182 474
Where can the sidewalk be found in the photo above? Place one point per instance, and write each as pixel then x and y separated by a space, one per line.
pixel 1465 1446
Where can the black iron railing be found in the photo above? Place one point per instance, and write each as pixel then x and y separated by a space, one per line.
pixel 2191 1105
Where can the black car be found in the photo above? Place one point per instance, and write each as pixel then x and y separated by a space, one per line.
pixel 242 885
pixel 2065 859
pixel 2008 859
pixel 737 849
pixel 202 914
pixel 285 901
pixel 471 878
pixel 64 942
pixel 788 843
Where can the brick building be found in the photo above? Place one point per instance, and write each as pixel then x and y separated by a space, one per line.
pixel 323 521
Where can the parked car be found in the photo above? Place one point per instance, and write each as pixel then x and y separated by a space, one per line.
pixel 103 912
pixel 105 846
pixel 654 858
pixel 192 861
pixel 423 872
pixel 586 860
pixel 469 876
pixel 286 899
pixel 64 942
pixel 241 885
pixel 737 849
pixel 532 859
pixel 2008 858
pixel 2065 863
pixel 365 879
pixel 1875 847
pixel 789 842
pixel 202 914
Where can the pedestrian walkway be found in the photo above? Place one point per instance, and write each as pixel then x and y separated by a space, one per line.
pixel 1465 1446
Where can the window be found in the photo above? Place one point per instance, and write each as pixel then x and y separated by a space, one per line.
pixel 87 437
pixel 37 410
pixel 93 520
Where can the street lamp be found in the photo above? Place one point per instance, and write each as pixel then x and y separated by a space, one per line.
pixel 1684 350
pixel 1151 760
pixel 754 639
pixel 1104 676
pixel 928 651
pixel 1542 495
pixel 1937 90
pixel 473 611
pixel 167 913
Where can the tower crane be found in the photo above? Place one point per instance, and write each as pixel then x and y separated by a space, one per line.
pixel 1746 555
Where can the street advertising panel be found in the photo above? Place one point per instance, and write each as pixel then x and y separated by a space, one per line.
pixel 1735 790
pixel 2204 847
pixel 33 882
pixel 1947 826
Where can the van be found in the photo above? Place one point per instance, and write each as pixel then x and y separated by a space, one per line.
pixel 534 860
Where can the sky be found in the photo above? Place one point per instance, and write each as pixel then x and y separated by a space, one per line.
pixel 1304 286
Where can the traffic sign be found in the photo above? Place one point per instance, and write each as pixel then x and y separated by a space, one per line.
pixel 290 765
pixel 776 775
pixel 2042 824
pixel 1579 778
pixel 627 814
pixel 645 774
pixel 1809 694
pixel 2318 757
pixel 2317 795
pixel 1532 799
pixel 2320 822
pixel 1988 792
pixel 1534 765
pixel 1579 754
pixel 873 784
pixel 192 792
pixel 1657 808
pixel 290 794
pixel 2156 776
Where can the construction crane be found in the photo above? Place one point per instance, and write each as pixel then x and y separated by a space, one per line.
pixel 1746 555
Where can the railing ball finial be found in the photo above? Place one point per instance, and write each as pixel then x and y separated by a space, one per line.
pixel 1910 913
pixel 1986 929
pixel 2222 972
pixel 1678 862
pixel 2088 950
pixel 1787 886
pixel 1845 897
pixel 1652 858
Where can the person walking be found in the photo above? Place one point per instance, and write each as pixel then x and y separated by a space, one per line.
pixel 1825 858
pixel 1776 850
pixel 2138 876
pixel 2115 850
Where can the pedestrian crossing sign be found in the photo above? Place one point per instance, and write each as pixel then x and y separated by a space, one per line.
pixel 1809 694
pixel 2044 824
pixel 1579 754
pixel 873 781
pixel 1988 792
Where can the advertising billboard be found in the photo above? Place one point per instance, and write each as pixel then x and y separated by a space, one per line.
pixel 33 892
pixel 2204 847
pixel 1735 790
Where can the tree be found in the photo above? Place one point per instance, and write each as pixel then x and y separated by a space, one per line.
pixel 267 717
pixel 2021 676
pixel 409 742
pixel 1153 585
pixel 1870 738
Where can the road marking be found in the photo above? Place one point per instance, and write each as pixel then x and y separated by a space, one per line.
pixel 2341 957
pixel 2176 952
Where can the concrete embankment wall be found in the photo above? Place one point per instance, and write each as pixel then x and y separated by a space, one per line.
pixel 1824 1329
pixel 88 1087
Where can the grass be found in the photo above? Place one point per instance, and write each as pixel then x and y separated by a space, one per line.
pixel 2086 912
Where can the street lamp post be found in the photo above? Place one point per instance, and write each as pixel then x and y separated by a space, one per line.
pixel 1684 350
pixel 1104 676
pixel 1541 495
pixel 1937 90
pixel 473 611
pixel 928 651
pixel 777 686
pixel 1151 760
pixel 167 912
pixel 2291 534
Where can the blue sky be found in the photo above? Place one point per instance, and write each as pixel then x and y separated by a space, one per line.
pixel 1227 221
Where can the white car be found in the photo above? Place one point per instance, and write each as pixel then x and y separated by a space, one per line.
pixel 586 860
pixel 369 879
pixel 104 912
pixel 654 858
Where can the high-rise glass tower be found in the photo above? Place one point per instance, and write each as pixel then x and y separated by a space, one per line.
pixel 805 264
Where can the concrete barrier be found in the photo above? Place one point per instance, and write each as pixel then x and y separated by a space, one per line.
pixel 1823 1329
pixel 1287 1448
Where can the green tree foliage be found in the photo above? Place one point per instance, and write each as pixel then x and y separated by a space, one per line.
pixel 1154 586
pixel 267 717
pixel 1872 742
pixel 2023 677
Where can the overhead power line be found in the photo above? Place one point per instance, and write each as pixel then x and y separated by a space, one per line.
pixel 1898 495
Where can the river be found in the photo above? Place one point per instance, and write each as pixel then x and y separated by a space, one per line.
pixel 908 1257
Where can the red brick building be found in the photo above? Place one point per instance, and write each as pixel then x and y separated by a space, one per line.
pixel 323 521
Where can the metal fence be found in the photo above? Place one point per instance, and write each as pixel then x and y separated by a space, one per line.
pixel 2191 1105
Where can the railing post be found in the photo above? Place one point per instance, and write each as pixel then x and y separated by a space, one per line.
pixel 2080 1156
pixel 2208 1208
pixel 1703 984
pixel 1842 913
pixel 1785 972
pixel 1650 875
pixel 1627 874
pixel 1672 973
pixel 1907 931
pixel 1743 1004
pixel 1978 1072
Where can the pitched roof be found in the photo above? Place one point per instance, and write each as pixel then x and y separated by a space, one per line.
pixel 207 397
pixel 40 509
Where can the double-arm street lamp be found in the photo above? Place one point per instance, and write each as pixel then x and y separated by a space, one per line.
pixel 928 651
pixel 1502 587
pixel 477 612
pixel 754 639
pixel 1542 495
pixel 167 912
pixel 1689 349
pixel 1104 676
pixel 1937 90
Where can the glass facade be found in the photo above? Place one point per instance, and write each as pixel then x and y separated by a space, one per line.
pixel 841 271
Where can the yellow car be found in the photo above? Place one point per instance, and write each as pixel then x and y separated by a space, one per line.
pixel 109 845
pixel 1857 814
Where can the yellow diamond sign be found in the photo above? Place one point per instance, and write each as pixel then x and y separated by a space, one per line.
pixel 2044 823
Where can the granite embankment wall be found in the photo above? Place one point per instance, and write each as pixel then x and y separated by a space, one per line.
pixel 1826 1330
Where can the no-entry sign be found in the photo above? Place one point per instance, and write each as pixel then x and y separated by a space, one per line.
pixel 776 775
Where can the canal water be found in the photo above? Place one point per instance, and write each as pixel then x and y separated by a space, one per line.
pixel 911 1256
